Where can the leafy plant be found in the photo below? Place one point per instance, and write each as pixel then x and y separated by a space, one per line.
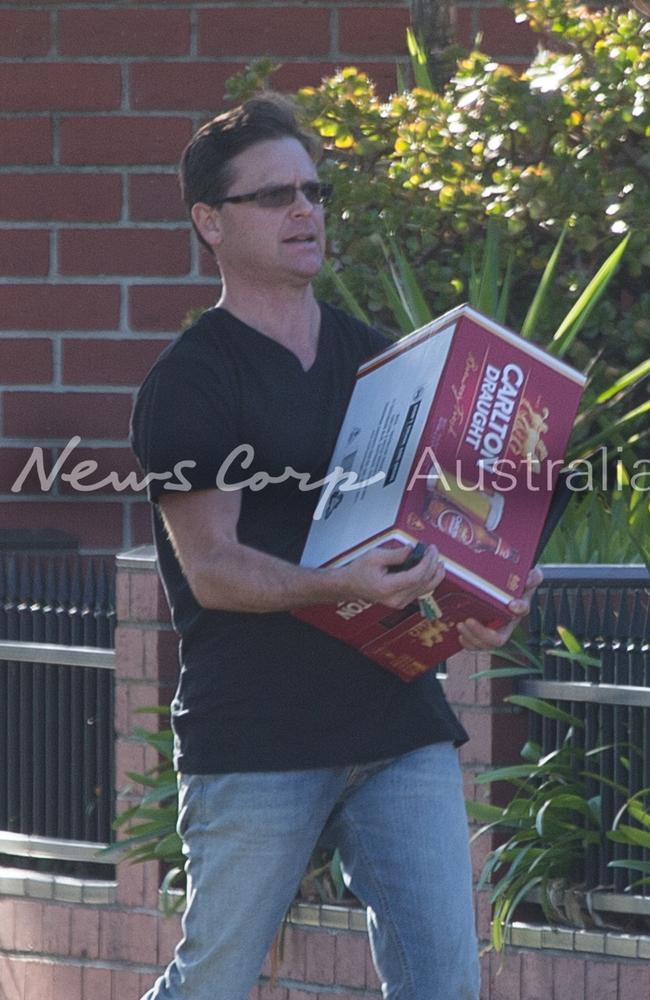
pixel 637 808
pixel 638 515
pixel 418 57
pixel 550 818
pixel 547 824
pixel 595 529
pixel 149 827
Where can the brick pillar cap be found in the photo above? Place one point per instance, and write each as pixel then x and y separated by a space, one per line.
pixel 142 557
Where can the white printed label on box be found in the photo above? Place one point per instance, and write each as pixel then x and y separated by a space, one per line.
pixel 378 440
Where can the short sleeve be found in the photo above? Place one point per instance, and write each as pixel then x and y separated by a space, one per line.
pixel 183 427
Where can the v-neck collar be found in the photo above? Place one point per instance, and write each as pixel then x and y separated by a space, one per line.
pixel 276 344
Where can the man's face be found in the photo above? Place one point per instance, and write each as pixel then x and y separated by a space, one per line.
pixel 271 245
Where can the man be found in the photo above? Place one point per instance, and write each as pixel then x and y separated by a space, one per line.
pixel 283 735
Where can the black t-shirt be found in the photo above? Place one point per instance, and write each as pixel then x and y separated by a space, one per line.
pixel 267 691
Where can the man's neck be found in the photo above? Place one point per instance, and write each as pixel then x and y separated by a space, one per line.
pixel 289 315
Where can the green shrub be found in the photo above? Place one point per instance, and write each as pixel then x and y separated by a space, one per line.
pixel 567 139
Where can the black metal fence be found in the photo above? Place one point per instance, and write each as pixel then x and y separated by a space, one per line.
pixel 56 710
pixel 608 608
pixel 57 621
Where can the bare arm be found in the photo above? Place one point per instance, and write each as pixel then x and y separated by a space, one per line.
pixel 225 574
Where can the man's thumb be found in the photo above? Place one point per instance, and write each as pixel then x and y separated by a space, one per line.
pixel 395 555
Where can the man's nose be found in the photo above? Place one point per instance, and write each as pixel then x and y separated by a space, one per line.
pixel 301 205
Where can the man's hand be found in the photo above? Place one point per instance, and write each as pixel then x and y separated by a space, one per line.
pixel 475 637
pixel 373 577
pixel 225 575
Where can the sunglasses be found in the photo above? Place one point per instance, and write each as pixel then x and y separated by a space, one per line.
pixel 283 195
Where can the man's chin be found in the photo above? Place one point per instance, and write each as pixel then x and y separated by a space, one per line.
pixel 307 270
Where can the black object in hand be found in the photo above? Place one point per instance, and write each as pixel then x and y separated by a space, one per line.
pixel 412 559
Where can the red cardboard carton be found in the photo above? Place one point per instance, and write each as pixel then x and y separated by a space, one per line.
pixel 454 435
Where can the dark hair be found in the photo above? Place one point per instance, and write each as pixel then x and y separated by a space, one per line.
pixel 205 172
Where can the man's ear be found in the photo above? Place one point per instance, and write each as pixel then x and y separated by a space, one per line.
pixel 207 220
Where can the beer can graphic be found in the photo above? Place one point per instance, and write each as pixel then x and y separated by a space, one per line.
pixel 481 505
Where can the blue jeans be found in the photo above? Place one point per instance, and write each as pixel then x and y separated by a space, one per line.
pixel 401 829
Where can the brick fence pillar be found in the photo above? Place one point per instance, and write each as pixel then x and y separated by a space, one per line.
pixel 497 733
pixel 146 670
pixel 146 665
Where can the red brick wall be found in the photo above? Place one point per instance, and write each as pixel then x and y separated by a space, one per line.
pixel 96 264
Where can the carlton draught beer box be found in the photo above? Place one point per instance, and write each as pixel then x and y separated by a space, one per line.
pixel 454 436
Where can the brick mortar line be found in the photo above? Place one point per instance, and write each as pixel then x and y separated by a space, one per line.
pixel 219 58
pixel 476 768
pixel 149 565
pixel 195 257
pixel 207 5
pixel 222 59
pixel 485 709
pixel 148 625
pixel 125 317
pixel 100 113
pixel 151 682
pixel 479 769
pixel 576 953
pixel 63 389
pixel 57 362
pixel 45 958
pixel 126 200
pixel 80 335
pixel 63 498
pixel 95 498
pixel 88 550
pixel 72 388
pixel 124 213
pixel 474 26
pixel 119 226
pixel 54 251
pixel 55 119
pixel 334 27
pixel 100 494
pixel 194 33
pixel 53 24
pixel 125 84
pixel 95 169
pixel 333 989
pixel 106 280
pixel 145 625
pixel 55 443
pixel 23 114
